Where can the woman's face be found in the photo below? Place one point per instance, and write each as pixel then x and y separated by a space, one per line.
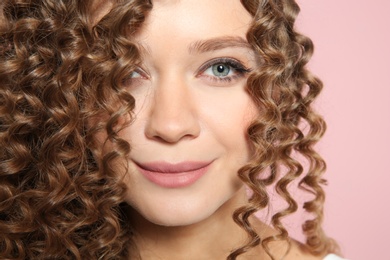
pixel 192 110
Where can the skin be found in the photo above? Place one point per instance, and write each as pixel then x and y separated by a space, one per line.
pixel 184 112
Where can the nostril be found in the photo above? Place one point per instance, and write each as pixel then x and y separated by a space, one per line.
pixel 173 131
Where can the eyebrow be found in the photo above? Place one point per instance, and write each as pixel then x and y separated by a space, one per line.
pixel 208 45
pixel 218 43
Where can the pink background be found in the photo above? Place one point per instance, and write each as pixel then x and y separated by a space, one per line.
pixel 352 57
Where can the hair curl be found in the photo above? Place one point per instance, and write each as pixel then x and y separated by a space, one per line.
pixel 60 86
pixel 284 90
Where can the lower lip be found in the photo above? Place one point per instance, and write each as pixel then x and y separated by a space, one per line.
pixel 174 180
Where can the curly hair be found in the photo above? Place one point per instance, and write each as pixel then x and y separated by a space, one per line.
pixel 284 90
pixel 60 86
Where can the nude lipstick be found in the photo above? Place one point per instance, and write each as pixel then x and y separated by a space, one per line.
pixel 173 175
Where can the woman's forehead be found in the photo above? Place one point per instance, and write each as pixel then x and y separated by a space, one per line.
pixel 195 18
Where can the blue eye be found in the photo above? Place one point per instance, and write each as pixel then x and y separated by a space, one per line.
pixel 220 70
pixel 135 74
pixel 223 69
pixel 135 77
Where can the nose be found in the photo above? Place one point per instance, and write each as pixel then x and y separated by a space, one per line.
pixel 172 115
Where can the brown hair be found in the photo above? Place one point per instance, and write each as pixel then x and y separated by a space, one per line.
pixel 288 128
pixel 60 86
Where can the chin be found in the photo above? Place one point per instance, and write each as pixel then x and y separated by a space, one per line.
pixel 178 213
pixel 178 217
pixel 174 221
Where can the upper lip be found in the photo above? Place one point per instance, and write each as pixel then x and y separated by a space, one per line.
pixel 165 167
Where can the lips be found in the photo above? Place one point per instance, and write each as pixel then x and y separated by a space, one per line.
pixel 174 175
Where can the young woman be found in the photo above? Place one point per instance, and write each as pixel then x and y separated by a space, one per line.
pixel 135 130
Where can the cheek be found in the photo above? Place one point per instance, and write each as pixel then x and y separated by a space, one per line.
pixel 229 115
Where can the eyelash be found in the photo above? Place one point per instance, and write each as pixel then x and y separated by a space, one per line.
pixel 236 66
